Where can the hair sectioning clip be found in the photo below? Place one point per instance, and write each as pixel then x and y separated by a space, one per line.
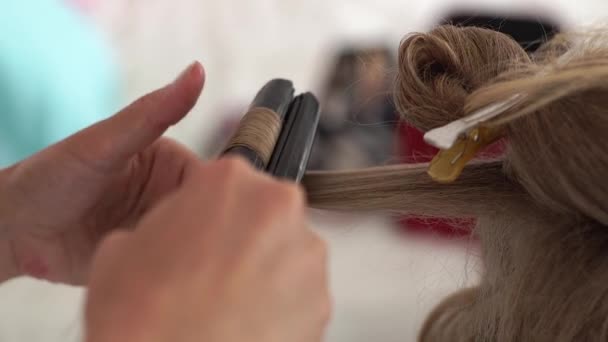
pixel 278 131
pixel 460 140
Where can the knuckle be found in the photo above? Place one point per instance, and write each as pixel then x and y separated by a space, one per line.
pixel 319 247
pixel 113 243
pixel 196 176
pixel 325 309
pixel 232 166
pixel 227 171
pixel 289 196
pixel 146 103
pixel 279 201
pixel 312 258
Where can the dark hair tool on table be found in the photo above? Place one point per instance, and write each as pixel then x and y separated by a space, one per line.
pixel 278 132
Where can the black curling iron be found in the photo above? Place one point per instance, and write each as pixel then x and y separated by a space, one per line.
pixel 297 120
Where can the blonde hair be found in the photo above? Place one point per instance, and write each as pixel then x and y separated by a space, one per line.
pixel 541 211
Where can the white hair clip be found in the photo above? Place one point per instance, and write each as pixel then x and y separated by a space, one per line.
pixel 460 140
pixel 445 137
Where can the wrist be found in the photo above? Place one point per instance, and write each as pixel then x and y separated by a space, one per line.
pixel 4 204
pixel 8 264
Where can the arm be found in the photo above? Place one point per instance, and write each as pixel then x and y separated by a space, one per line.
pixel 8 265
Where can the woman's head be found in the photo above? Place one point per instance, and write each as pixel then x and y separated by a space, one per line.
pixel 542 208
pixel 557 133
pixel 546 259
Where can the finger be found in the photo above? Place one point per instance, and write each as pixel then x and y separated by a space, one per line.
pixel 110 249
pixel 111 142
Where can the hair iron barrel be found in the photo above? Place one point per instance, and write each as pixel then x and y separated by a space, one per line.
pixel 299 119
pixel 275 96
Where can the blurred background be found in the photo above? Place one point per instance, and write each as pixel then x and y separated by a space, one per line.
pixel 65 64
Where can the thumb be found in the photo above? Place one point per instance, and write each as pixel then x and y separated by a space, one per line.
pixel 113 141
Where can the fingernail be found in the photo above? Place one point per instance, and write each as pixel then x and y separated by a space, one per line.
pixel 192 68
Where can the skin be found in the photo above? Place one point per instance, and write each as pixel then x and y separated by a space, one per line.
pixel 58 204
pixel 171 248
pixel 237 263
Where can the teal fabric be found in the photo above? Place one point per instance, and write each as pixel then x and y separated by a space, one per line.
pixel 56 76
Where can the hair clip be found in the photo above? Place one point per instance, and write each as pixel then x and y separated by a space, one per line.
pixel 446 137
pixel 448 164
pixel 277 133
pixel 460 140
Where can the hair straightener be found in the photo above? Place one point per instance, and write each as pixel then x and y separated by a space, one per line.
pixel 278 122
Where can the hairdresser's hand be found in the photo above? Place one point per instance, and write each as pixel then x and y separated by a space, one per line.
pixel 227 258
pixel 57 205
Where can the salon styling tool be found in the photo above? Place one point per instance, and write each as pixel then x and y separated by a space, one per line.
pixel 259 129
pixel 277 133
pixel 297 137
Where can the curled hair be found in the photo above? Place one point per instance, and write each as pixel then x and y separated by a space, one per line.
pixel 542 210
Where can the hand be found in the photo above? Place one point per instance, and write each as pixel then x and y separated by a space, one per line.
pixel 57 205
pixel 227 257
